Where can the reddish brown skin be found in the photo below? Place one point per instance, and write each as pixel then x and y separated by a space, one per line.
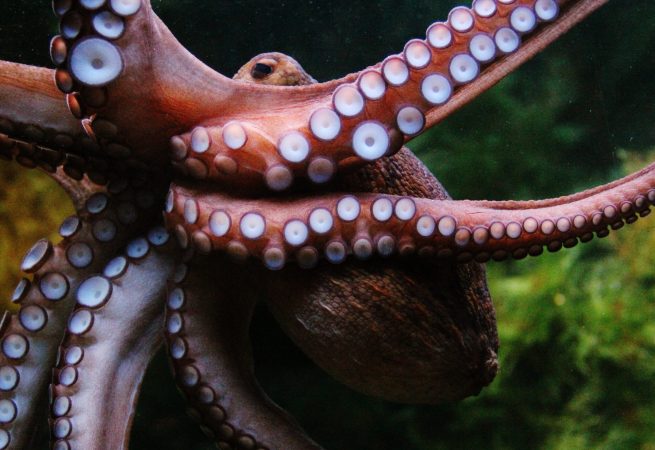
pixel 415 331
pixel 420 331
pixel 406 329
pixel 409 331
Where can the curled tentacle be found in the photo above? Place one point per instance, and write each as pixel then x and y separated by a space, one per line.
pixel 30 338
pixel 112 335
pixel 207 324
pixel 337 225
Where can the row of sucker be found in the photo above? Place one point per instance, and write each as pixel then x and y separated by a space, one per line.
pixel 84 340
pixel 88 61
pixel 371 117
pixel 335 226
pixel 98 159
pixel 205 407
pixel 30 337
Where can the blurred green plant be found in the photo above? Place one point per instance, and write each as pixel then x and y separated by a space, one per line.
pixel 577 350
pixel 31 207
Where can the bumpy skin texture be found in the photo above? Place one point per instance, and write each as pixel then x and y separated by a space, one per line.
pixel 274 69
pixel 212 357
pixel 413 332
pixel 409 331
pixel 416 333
pixel 261 171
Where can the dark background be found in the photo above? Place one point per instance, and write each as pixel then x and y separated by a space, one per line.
pixel 577 329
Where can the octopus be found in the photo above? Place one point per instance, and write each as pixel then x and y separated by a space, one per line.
pixel 201 195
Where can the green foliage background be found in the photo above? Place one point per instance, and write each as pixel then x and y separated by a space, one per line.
pixel 577 328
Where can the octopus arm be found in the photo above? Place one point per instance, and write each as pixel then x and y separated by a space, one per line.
pixel 38 131
pixel 284 132
pixel 79 191
pixel 30 337
pixel 336 225
pixel 112 334
pixel 497 71
pixel 207 326
pixel 274 135
pixel 32 109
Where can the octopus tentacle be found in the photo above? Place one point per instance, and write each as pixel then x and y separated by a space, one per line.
pixel 79 191
pixel 37 130
pixel 211 355
pixel 370 116
pixel 102 59
pixel 325 127
pixel 495 72
pixel 222 414
pixel 30 338
pixel 328 293
pixel 250 137
pixel 35 127
pixel 112 335
pixel 337 225
pixel 406 310
pixel 31 107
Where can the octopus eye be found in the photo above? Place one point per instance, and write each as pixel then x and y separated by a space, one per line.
pixel 261 70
